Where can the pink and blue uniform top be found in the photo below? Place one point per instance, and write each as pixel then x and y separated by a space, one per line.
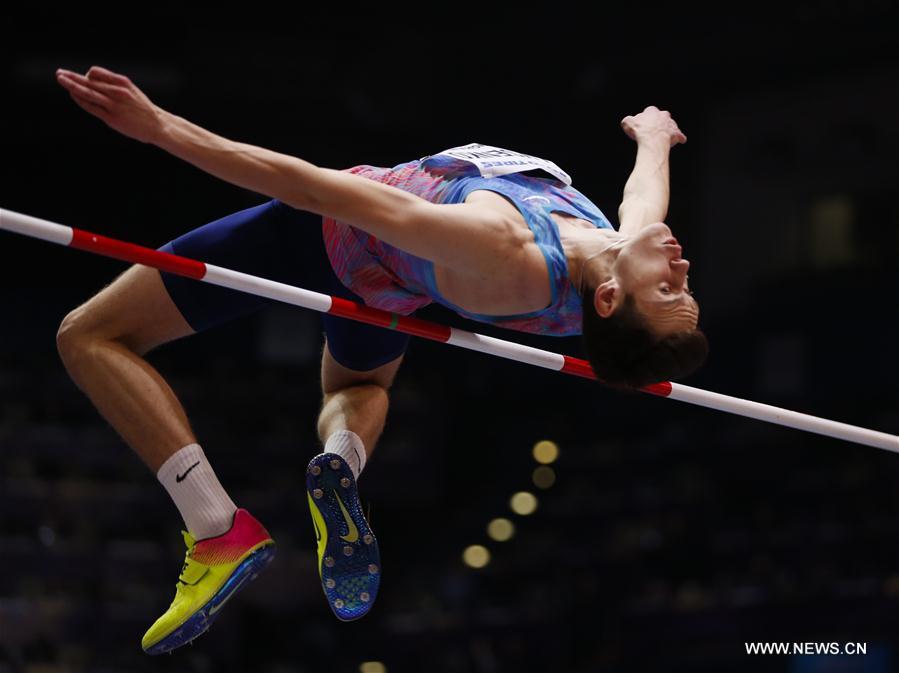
pixel 394 280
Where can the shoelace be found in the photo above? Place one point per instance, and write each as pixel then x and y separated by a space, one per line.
pixel 188 560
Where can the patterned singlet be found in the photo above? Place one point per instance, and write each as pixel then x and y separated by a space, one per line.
pixel 394 280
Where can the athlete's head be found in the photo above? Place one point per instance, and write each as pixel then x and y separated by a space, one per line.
pixel 640 322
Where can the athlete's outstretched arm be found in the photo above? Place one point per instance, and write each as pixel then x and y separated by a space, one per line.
pixel 646 193
pixel 461 236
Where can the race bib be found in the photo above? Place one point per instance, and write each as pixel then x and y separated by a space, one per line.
pixel 495 161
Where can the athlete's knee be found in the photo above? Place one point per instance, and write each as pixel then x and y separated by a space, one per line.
pixel 74 337
pixel 134 311
pixel 367 389
pixel 357 380
pixel 82 331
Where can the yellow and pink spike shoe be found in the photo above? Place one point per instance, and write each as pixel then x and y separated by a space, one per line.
pixel 214 570
pixel 349 563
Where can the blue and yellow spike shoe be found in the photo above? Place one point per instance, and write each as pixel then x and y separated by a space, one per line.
pixel 214 570
pixel 348 560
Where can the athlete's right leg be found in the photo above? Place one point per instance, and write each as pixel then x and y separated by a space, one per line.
pixel 102 344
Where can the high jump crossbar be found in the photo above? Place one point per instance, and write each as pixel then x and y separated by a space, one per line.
pixel 235 280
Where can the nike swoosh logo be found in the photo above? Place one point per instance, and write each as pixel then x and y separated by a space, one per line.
pixel 218 607
pixel 181 477
pixel 353 532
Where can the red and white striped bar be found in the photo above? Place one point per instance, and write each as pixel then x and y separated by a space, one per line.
pixel 235 280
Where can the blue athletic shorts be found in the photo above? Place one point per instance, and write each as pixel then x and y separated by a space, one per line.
pixel 281 243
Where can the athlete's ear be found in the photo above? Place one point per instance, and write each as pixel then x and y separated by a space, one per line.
pixel 606 298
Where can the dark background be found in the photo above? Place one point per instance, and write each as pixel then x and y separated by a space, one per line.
pixel 673 534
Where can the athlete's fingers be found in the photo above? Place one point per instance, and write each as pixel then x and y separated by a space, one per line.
pixel 70 81
pixel 103 75
pixel 73 76
pixel 111 90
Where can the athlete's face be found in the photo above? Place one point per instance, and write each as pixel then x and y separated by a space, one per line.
pixel 651 269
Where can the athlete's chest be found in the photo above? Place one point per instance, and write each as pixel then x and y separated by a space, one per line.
pixel 514 285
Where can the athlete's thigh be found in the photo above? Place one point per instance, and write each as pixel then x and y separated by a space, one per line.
pixel 254 241
pixel 134 309
pixel 336 376
pixel 145 308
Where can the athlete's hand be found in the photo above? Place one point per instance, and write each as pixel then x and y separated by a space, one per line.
pixel 653 123
pixel 114 99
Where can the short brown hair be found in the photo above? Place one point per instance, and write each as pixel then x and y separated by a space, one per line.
pixel 625 354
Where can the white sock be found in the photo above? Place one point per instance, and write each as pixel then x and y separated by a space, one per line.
pixel 348 445
pixel 191 482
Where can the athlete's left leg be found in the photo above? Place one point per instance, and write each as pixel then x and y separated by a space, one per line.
pixel 359 364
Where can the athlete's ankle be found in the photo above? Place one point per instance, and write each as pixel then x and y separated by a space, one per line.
pixel 348 445
pixel 204 505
